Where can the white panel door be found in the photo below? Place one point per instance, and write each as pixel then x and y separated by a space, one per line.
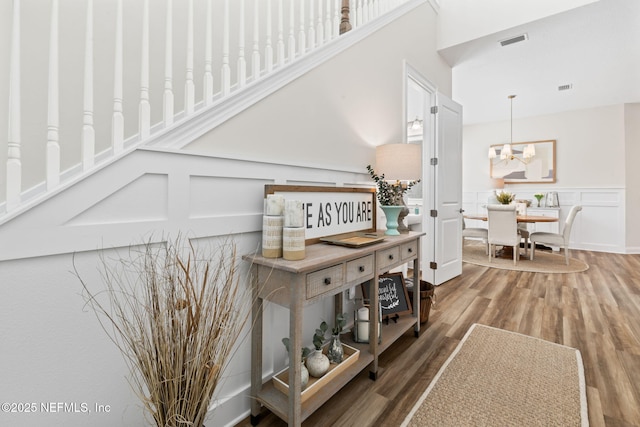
pixel 448 191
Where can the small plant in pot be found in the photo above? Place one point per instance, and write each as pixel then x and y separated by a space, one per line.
pixel 335 353
pixel 318 362
pixel 505 198
pixel 304 380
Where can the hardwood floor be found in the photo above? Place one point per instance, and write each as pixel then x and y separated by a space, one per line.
pixel 597 311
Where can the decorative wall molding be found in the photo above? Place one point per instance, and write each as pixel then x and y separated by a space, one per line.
pixel 598 227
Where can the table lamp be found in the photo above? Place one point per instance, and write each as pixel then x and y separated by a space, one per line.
pixel 400 163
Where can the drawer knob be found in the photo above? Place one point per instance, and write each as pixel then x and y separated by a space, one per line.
pixel 410 250
pixel 327 280
pixel 391 257
pixel 361 269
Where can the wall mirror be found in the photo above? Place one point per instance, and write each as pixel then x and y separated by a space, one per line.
pixel 530 163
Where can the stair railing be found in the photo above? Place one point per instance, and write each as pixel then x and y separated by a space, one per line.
pixel 280 32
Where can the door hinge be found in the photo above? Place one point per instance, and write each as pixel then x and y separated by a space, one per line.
pixel 433 213
pixel 433 265
pixel 433 161
pixel 434 109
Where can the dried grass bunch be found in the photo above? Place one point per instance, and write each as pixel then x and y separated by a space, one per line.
pixel 175 312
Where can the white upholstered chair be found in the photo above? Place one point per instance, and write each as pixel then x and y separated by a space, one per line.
pixel 503 229
pixel 556 239
pixel 475 233
pixel 524 234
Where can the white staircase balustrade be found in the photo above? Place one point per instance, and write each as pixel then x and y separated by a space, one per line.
pixel 53 118
pixel 142 104
pixel 88 150
pixel 14 162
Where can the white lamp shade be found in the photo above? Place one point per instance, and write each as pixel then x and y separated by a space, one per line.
pixel 399 162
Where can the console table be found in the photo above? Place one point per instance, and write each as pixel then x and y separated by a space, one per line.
pixel 326 271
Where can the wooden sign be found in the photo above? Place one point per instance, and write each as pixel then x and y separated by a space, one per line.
pixel 331 210
pixel 392 294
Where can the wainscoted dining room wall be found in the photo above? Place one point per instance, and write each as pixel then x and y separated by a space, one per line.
pixel 592 169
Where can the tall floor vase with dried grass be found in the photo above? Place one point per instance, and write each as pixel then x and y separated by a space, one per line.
pixel 175 312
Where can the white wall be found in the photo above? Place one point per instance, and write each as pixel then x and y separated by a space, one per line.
pixel 592 151
pixel 632 176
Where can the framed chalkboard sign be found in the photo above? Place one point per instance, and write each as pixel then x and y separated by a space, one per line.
pixel 392 294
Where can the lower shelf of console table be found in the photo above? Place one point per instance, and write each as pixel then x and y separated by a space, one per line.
pixel 278 402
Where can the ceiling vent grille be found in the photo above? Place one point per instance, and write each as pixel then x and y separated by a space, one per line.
pixel 513 40
pixel 565 87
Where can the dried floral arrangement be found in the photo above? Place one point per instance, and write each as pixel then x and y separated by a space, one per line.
pixel 175 312
pixel 390 194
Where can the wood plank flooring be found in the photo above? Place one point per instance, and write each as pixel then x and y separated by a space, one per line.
pixel 597 311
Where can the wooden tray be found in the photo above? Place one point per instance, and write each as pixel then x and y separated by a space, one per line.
pixel 281 379
pixel 354 240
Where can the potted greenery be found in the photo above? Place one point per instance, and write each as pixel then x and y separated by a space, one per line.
pixel 391 198
pixel 335 353
pixel 318 362
pixel 505 198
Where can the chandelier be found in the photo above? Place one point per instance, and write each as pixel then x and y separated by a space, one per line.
pixel 507 153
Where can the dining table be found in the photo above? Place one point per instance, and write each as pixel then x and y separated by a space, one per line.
pixel 519 218
pixel 507 251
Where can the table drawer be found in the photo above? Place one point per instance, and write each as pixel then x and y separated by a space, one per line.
pixel 388 257
pixel 409 250
pixel 324 280
pixel 361 268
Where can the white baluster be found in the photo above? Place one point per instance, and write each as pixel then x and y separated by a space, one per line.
pixel 225 77
pixel 268 49
pixel 144 108
pixel 328 33
pixel 14 162
pixel 167 97
pixel 189 87
pixel 319 25
pixel 365 11
pixel 353 13
pixel 242 63
pixel 255 58
pixel 53 145
pixel 359 13
pixel 208 68
pixel 280 45
pixel 312 27
pixel 337 16
pixel 291 44
pixel 302 37
pixel 117 123
pixel 88 132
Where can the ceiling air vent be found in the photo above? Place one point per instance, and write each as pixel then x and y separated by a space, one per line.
pixel 513 40
pixel 565 87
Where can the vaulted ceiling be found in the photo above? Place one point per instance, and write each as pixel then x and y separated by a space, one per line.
pixel 594 48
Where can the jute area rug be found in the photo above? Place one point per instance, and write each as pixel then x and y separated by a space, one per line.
pixel 543 262
pixel 500 378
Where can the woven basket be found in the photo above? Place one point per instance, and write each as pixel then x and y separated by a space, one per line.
pixel 427 296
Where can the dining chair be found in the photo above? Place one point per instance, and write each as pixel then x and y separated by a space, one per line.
pixel 524 234
pixel 475 233
pixel 556 239
pixel 503 229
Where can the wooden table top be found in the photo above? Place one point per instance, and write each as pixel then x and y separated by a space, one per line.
pixel 519 218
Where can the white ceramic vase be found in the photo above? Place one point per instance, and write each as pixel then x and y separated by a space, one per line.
pixel 304 380
pixel 317 363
